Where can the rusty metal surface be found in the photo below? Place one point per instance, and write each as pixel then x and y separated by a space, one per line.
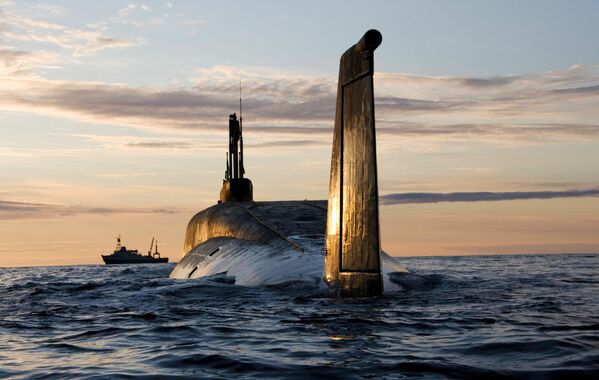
pixel 352 232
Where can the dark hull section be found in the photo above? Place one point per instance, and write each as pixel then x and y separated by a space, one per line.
pixel 110 259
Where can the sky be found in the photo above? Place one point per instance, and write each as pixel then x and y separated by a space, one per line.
pixel 114 120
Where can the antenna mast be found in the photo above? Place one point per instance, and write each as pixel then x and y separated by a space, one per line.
pixel 228 171
pixel 151 246
pixel 236 188
pixel 241 168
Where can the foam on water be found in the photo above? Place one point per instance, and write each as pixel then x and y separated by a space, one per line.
pixel 455 317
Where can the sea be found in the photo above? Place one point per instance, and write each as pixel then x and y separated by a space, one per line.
pixel 470 317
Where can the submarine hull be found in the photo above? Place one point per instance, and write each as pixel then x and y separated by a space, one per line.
pixel 261 243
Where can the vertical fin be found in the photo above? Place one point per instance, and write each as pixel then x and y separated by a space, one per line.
pixel 352 261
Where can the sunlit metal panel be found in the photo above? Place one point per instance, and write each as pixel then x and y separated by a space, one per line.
pixel 352 252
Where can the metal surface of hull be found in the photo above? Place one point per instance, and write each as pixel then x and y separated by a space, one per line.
pixel 261 243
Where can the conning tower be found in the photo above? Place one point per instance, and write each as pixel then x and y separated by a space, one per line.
pixel 236 188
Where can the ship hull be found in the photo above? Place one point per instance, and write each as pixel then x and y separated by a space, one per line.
pixel 111 260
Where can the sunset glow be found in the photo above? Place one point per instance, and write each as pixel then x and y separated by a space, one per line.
pixel 113 120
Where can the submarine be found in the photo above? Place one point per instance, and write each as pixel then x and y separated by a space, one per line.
pixel 334 243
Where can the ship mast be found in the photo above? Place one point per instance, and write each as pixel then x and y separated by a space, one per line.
pixel 151 245
pixel 241 168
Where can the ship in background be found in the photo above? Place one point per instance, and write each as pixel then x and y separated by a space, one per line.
pixel 334 242
pixel 122 255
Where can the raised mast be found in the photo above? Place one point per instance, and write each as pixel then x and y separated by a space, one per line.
pixel 241 168
pixel 152 245
pixel 236 188
pixel 234 135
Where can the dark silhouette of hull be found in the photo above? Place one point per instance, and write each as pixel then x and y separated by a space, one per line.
pixel 133 259
pixel 122 255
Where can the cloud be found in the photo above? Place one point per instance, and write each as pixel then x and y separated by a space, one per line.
pixel 166 109
pixel 10 210
pixel 20 62
pixel 406 104
pixel 160 145
pixel 408 198
pixel 579 90
pixel 497 131
pixel 285 104
pixel 17 25
pixel 287 144
pixel 143 16
pixel 475 170
pixel 486 82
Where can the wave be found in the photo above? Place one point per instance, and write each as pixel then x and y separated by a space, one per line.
pixel 469 317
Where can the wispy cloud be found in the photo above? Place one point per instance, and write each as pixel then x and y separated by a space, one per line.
pixel 407 198
pixel 18 26
pixel 475 170
pixel 20 62
pixel 10 210
pixel 513 108
pixel 288 144
pixel 160 145
pixel 139 15
pixel 559 104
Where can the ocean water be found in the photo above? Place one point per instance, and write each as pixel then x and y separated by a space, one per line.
pixel 483 317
